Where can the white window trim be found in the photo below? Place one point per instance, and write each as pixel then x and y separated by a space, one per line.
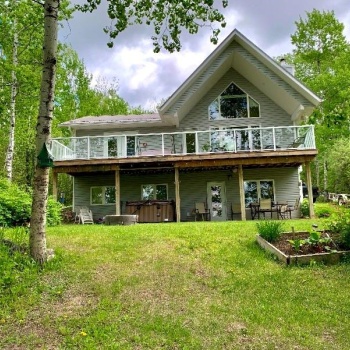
pixel 103 196
pixel 248 105
pixel 155 190
pixel 259 190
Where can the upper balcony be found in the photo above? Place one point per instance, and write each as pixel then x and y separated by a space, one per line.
pixel 186 143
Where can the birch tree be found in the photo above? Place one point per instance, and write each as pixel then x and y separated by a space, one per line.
pixel 167 17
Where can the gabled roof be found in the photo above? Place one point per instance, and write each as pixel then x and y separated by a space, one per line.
pixel 235 52
pixel 225 57
pixel 114 121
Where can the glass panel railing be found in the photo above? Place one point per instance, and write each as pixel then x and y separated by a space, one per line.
pixel 187 142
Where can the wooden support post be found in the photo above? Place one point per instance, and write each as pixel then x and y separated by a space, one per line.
pixel 177 195
pixel 117 191
pixel 241 192
pixel 309 190
pixel 54 185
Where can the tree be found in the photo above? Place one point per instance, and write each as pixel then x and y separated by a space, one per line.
pixel 167 18
pixel 339 166
pixel 20 45
pixel 321 57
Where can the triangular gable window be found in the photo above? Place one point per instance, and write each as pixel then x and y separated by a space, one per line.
pixel 233 103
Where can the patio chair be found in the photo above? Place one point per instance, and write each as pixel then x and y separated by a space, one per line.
pixel 284 212
pixel 77 215
pixel 85 216
pixel 265 206
pixel 299 141
pixel 202 211
pixel 235 210
pixel 292 207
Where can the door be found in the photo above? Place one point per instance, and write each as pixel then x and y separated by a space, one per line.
pixel 216 192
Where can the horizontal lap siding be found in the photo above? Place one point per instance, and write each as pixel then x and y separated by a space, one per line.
pixel 193 187
pixel 130 186
pixel 271 114
pixel 272 76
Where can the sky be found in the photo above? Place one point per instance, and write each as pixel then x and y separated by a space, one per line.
pixel 146 78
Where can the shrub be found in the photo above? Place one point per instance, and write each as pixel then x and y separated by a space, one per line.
pixel 54 212
pixel 323 210
pixel 341 224
pixel 270 230
pixel 304 208
pixel 15 206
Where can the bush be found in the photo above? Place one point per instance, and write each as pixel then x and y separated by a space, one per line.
pixel 341 224
pixel 304 208
pixel 270 230
pixel 15 206
pixel 323 210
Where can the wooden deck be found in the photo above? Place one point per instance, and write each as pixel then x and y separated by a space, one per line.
pixel 219 160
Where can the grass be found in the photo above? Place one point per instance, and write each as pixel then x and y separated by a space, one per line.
pixel 174 286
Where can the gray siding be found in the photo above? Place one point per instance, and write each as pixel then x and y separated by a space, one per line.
pixel 193 187
pixel 271 114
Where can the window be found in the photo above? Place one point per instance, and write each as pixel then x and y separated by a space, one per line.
pixel 154 192
pixel 102 195
pixel 257 189
pixel 233 103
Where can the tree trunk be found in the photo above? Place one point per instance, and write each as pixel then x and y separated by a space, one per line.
pixel 11 144
pixel 37 240
pixel 325 175
pixel 317 173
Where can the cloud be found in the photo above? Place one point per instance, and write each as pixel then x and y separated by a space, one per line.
pixel 146 78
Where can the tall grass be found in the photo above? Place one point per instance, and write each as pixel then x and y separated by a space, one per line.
pixel 176 286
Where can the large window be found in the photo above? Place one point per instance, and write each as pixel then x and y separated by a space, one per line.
pixel 233 103
pixel 154 192
pixel 102 195
pixel 254 190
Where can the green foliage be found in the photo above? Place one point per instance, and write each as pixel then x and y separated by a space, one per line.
pixel 94 299
pixel 15 206
pixel 54 212
pixel 321 57
pixel 324 210
pixel 270 230
pixel 304 208
pixel 167 17
pixel 296 244
pixel 339 166
pixel 341 224
pixel 15 265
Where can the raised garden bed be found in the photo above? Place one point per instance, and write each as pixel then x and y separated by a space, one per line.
pixel 326 250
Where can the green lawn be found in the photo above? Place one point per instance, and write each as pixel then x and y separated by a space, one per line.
pixel 175 286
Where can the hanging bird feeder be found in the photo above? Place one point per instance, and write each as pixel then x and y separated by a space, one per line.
pixel 45 158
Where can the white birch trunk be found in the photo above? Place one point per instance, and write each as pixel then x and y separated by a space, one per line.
pixel 37 240
pixel 325 175
pixel 11 144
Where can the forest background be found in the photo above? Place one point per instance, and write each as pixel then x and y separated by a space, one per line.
pixel 321 56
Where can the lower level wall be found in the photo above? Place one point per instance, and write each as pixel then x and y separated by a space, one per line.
pixel 193 188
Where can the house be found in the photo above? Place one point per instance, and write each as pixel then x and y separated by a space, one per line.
pixel 233 133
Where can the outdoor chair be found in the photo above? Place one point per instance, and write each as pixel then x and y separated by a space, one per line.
pixel 235 210
pixel 85 216
pixel 202 211
pixel 77 215
pixel 299 141
pixel 265 206
pixel 284 212
pixel 292 207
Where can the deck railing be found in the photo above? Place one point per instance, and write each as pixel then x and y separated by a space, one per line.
pixel 186 142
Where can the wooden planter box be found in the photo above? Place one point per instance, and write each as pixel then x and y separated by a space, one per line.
pixel 327 258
